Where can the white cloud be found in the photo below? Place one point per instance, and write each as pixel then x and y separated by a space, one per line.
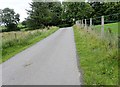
pixel 18 6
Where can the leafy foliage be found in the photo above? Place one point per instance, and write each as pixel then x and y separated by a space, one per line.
pixel 10 19
pixel 57 14
pixel 15 42
pixel 65 14
pixel 44 14
pixel 111 11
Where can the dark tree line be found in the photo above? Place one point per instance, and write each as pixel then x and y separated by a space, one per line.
pixel 65 14
pixel 110 10
pixel 10 19
pixel 43 14
pixel 57 14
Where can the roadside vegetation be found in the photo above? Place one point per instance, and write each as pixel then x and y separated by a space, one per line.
pixel 20 27
pixel 15 42
pixel 98 58
pixel 112 26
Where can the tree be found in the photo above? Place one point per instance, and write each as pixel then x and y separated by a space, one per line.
pixel 24 23
pixel 65 14
pixel 10 19
pixel 76 11
pixel 44 14
pixel 111 11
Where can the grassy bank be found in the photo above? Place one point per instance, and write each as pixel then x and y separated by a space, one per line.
pixel 112 26
pixel 15 42
pixel 98 59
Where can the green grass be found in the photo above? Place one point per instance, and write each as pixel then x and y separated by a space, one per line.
pixel 12 48
pixel 112 26
pixel 98 59
pixel 2 27
pixel 22 27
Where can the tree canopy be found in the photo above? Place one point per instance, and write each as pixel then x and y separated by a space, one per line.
pixel 43 14
pixel 10 18
pixel 57 14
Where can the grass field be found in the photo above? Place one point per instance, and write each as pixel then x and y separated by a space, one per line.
pixel 15 42
pixel 112 26
pixel 98 58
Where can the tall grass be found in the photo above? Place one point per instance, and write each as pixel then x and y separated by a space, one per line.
pixel 112 26
pixel 98 57
pixel 13 38
pixel 14 42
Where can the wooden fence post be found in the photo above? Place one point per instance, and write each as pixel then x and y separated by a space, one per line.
pixel 76 22
pixel 85 24
pixel 15 35
pixel 82 23
pixel 102 26
pixel 90 23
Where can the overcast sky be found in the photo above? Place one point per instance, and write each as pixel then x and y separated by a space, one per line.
pixel 19 6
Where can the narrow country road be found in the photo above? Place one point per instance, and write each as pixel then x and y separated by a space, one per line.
pixel 51 61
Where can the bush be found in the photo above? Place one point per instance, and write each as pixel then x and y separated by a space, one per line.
pixel 12 27
pixel 64 25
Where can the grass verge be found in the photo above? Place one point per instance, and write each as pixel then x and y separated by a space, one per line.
pixel 112 26
pixel 98 60
pixel 17 46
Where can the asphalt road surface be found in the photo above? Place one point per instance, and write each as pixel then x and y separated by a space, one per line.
pixel 51 61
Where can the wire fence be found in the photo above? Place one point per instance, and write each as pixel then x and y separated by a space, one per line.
pixel 107 23
pixel 112 18
pixel 104 26
pixel 11 38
